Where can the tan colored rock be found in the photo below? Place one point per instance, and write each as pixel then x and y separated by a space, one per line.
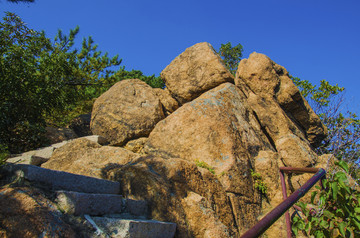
pixel 284 135
pixel 85 157
pixel 136 145
pixel 128 110
pixel 195 71
pixel 215 129
pixel 169 103
pixel 267 165
pixel 25 212
pixel 56 135
pixel 178 191
pixel 270 80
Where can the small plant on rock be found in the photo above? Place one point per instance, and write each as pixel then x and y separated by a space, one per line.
pixel 259 183
pixel 204 165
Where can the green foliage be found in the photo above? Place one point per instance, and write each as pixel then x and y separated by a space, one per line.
pixel 343 127
pixel 231 56
pixel 204 165
pixel 4 154
pixel 259 183
pixel 48 82
pixel 335 208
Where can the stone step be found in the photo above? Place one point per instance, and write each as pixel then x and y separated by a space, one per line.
pixel 135 228
pixel 59 180
pixel 76 203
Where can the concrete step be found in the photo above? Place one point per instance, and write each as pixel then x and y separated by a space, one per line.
pixel 134 228
pixel 59 180
pixel 76 203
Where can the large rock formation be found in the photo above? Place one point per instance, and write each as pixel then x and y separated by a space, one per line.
pixel 194 166
pixel 195 71
pixel 128 110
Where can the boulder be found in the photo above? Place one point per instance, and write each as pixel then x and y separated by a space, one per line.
pixel 26 212
pixel 88 158
pixel 195 71
pixel 270 80
pixel 215 131
pixel 56 135
pixel 180 192
pixel 169 103
pixel 128 110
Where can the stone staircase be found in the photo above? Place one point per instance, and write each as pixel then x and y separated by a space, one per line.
pixel 98 200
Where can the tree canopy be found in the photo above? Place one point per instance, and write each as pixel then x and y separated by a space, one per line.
pixel 44 81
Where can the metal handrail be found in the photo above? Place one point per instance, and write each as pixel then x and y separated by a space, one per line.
pixel 260 227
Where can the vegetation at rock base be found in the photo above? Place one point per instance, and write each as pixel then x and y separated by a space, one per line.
pixel 334 209
pixel 49 82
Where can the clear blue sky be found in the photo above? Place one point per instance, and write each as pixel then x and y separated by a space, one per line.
pixel 313 39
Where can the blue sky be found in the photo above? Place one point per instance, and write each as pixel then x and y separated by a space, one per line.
pixel 313 40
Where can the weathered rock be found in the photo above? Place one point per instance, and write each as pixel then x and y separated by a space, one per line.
pixel 99 204
pixel 121 228
pixel 88 158
pixel 267 164
pixel 268 79
pixel 284 135
pixel 169 103
pixel 136 145
pixel 25 212
pixel 195 71
pixel 172 187
pixel 81 125
pixel 215 129
pixel 128 110
pixel 59 180
pixel 56 135
pixel 34 157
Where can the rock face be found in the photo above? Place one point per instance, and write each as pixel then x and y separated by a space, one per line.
pixel 127 111
pixel 195 71
pixel 82 156
pixel 268 79
pixel 194 166
pixel 25 212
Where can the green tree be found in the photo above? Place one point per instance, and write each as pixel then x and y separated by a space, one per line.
pixel 48 82
pixel 343 127
pixel 41 79
pixel 231 56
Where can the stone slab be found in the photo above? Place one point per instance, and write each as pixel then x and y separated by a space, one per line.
pixel 99 204
pixel 135 228
pixel 59 180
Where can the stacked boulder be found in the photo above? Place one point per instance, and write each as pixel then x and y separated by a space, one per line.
pixel 189 149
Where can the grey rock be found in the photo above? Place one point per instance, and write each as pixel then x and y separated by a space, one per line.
pixel 99 204
pixel 59 180
pixel 121 228
pixel 34 157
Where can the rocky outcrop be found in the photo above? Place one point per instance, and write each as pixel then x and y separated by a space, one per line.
pixel 128 110
pixel 270 80
pixel 195 71
pixel 189 150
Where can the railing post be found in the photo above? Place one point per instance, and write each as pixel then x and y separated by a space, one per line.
pixel 260 227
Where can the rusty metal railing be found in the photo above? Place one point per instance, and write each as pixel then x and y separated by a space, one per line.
pixel 260 227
